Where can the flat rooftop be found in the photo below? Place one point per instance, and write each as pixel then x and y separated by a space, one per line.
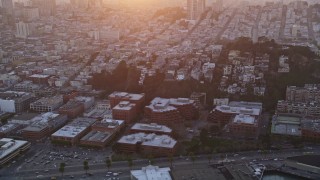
pixel 312 125
pixel 163 141
pixel 7 146
pixel 8 127
pixel 287 119
pixel 125 95
pixel 48 101
pixel 239 110
pixel 96 136
pixel 124 105
pixel 161 105
pixel 244 119
pixel 152 173
pixel 151 127
pixel 74 128
pixel 24 116
pixel 14 95
pixel 109 123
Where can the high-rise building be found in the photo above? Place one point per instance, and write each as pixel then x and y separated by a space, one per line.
pixel 7 5
pixel 195 8
pixel 218 5
pixel 46 7
pixel 23 29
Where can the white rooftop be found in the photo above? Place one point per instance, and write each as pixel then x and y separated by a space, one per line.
pixel 161 104
pixel 10 145
pixel 124 105
pixel 151 127
pixel 245 119
pixel 74 128
pixel 164 141
pixel 69 131
pixel 152 173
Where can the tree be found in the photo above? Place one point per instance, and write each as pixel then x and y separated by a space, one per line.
pixel 192 157
pixel 86 166
pixel 210 156
pixel 151 159
pixel 130 162
pixel 108 163
pixel 61 168
pixel 203 136
pixel 170 158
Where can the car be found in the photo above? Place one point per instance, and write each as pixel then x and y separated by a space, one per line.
pixel 107 175
pixel 71 177
pixel 115 174
pixel 47 170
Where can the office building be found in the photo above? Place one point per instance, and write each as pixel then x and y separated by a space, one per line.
pixel 150 128
pixel 46 7
pixel 71 133
pixel 72 109
pixel 151 172
pixel 149 144
pixel 243 126
pixel 11 148
pixel 125 111
pixel 99 110
pixel 15 102
pixel 161 112
pixel 286 124
pixel 310 129
pixel 43 125
pixel 102 133
pixel 7 5
pixel 195 8
pixel 116 97
pixel 23 29
pixel 222 115
pixel 8 129
pixel 47 104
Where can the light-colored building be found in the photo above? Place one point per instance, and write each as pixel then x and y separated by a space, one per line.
pixel 151 173
pixel 72 133
pixel 11 148
pixel 47 104
pixel 195 8
pixel 23 29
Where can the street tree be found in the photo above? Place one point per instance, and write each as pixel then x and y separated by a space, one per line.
pixel 86 166
pixel 61 168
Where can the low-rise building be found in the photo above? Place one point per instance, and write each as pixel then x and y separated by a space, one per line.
pixel 310 129
pixel 243 126
pixel 47 104
pixel 43 125
pixel 15 102
pixel 286 124
pixel 151 144
pixel 9 128
pixel 223 114
pixel 11 148
pixel 72 133
pixel 116 97
pixel 151 173
pixel 125 111
pixel 102 132
pixel 150 128
pixel 99 111
pixel 160 111
pixel 72 109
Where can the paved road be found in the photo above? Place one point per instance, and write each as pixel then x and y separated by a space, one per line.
pixel 179 162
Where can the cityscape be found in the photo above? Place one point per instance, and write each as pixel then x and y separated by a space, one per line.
pixel 160 89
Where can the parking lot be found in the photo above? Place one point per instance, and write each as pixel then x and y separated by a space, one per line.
pixel 51 156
